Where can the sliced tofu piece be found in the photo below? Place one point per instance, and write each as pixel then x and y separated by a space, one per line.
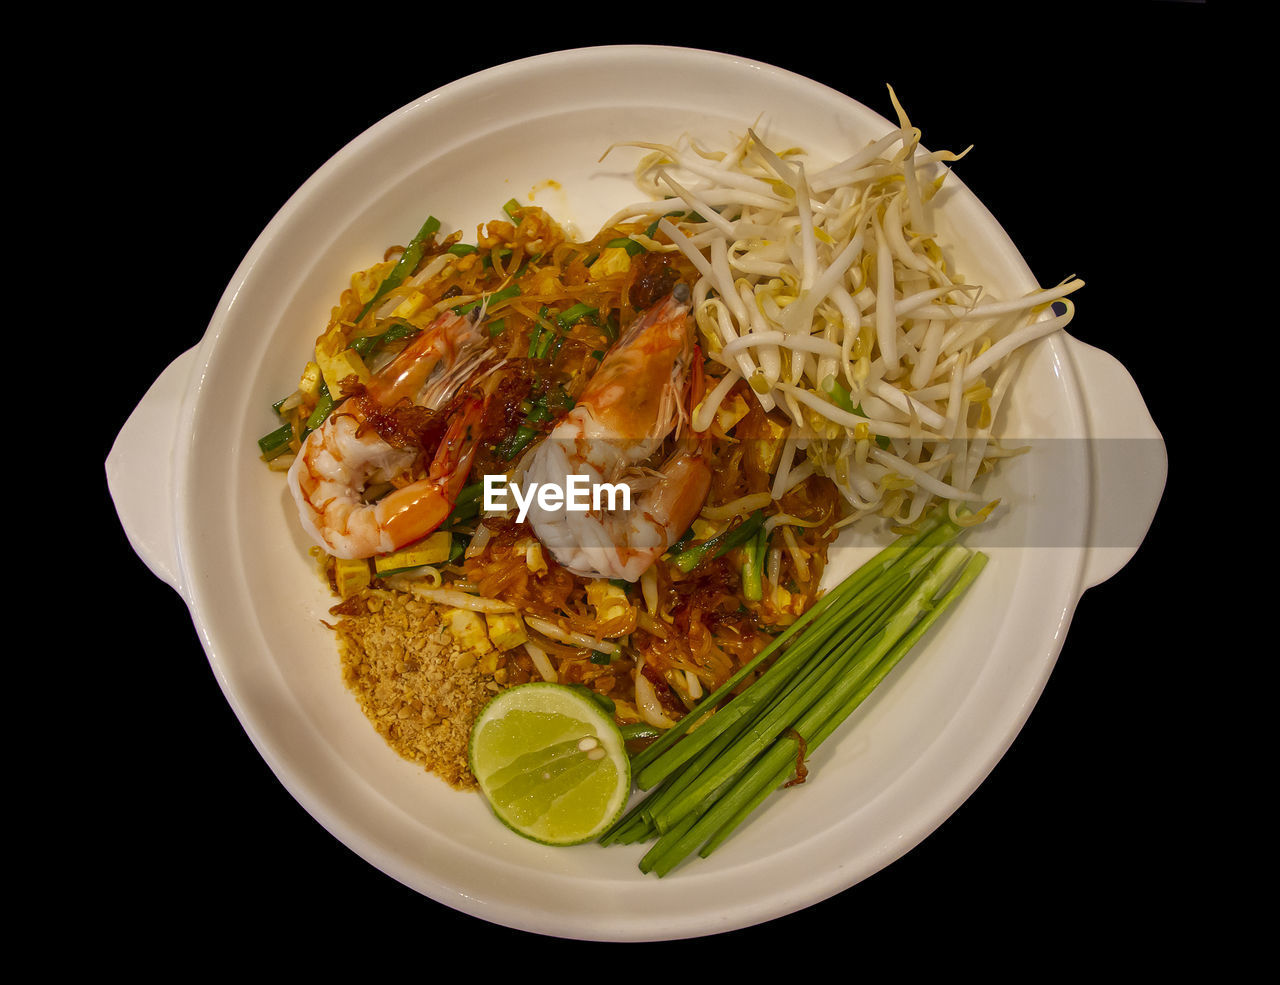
pixel 433 549
pixel 411 305
pixel 366 282
pixel 351 575
pixel 614 260
pixel 468 630
pixel 731 411
pixel 309 384
pixel 506 629
pixel 339 363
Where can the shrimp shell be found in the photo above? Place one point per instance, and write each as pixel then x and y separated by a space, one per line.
pixel 342 458
pixel 631 405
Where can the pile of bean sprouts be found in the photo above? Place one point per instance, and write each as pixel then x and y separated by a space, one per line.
pixel 826 292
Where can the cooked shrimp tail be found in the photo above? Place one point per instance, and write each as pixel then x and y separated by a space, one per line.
pixel 405 515
pixel 345 455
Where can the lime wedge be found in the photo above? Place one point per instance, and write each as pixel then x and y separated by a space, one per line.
pixel 551 763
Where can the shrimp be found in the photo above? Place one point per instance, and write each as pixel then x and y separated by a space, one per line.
pixel 344 456
pixel 622 418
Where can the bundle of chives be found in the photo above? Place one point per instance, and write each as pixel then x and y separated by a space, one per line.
pixel 709 779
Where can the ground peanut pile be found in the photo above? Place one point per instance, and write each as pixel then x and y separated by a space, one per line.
pixel 420 689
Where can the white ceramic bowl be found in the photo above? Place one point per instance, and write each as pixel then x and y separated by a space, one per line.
pixel 210 520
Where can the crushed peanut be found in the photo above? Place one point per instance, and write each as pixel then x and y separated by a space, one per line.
pixel 414 682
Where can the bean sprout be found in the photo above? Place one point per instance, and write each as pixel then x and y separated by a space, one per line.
pixel 824 289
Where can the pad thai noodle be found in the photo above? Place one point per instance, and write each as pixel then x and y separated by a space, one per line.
pixel 757 354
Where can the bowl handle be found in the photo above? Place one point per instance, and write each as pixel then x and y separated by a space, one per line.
pixel 1129 462
pixel 140 471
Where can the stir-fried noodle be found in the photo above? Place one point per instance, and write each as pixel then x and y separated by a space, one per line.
pixel 764 350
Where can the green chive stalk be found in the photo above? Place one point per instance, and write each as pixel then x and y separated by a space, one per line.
pixel 719 545
pixel 783 774
pixel 406 265
pixel 734 802
pixel 831 611
pixel 753 567
pixel 706 780
pixel 837 661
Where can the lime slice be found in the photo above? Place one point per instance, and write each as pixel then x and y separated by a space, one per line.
pixel 551 763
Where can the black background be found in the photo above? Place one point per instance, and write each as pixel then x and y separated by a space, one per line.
pixel 1084 126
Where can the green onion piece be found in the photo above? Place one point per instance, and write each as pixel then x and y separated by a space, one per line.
pixel 516 442
pixel 407 264
pixel 638 730
pixel 461 249
pixel 597 354
pixel 497 327
pixel 543 335
pixel 681 541
pixel 512 209
pixel 467 505
pixel 838 394
pixel 366 344
pixel 601 658
pixel 470 494
pixel 322 410
pixel 740 534
pixel 462 513
pixel 400 330
pixel 653 226
pixel 753 568
pixel 575 314
pixel 539 412
pixel 625 243
pixel 276 443
pixel 457 547
pixel 719 545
